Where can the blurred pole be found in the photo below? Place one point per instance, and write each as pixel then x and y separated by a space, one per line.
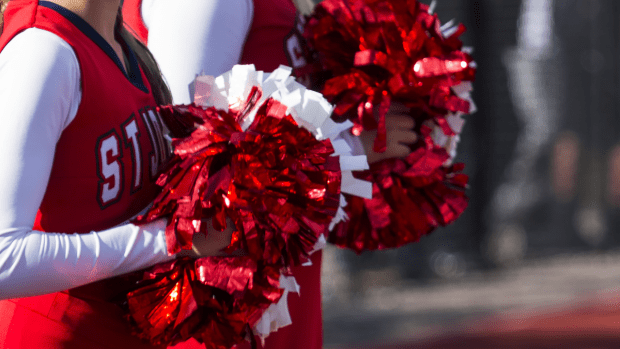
pixel 589 219
pixel 482 126
pixel 491 120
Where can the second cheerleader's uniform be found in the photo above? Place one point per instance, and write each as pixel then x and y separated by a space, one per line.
pixel 189 37
pixel 80 147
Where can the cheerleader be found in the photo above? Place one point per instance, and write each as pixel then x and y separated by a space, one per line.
pixel 80 148
pixel 188 37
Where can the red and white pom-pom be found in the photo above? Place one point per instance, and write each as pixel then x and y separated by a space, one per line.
pixel 212 299
pixel 309 109
pixel 372 53
pixel 260 150
pixel 277 315
pixel 455 121
pixel 411 198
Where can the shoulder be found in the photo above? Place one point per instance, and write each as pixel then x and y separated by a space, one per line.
pixel 34 51
pixel 40 70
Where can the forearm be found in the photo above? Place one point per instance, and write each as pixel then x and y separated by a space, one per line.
pixel 34 262
pixel 39 97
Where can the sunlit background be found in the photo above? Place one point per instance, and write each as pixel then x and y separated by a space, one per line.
pixel 535 258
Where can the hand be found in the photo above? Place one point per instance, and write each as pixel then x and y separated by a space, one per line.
pixel 399 126
pixel 212 243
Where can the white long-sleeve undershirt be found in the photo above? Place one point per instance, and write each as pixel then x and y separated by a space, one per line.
pixel 39 97
pixel 189 37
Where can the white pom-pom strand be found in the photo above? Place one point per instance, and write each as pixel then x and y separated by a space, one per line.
pixel 277 315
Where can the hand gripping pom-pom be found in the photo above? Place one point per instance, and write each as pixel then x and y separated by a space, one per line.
pixel 372 53
pixel 425 193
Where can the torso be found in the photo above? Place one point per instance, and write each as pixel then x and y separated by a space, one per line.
pixel 103 174
pixel 106 159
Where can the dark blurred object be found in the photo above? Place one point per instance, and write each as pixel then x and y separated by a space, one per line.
pixel 544 147
pixel 588 35
pixel 543 150
pixel 487 143
pixel 562 188
pixel 534 74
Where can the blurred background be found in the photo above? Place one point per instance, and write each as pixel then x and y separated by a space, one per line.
pixel 534 262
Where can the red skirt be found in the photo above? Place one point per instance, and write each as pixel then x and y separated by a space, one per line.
pixel 60 321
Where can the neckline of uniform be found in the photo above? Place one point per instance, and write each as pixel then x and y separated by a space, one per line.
pixel 133 73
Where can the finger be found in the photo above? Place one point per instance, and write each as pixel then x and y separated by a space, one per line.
pixel 403 137
pixel 396 150
pixel 367 139
pixel 399 121
pixel 398 108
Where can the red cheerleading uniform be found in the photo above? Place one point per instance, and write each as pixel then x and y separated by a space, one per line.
pixel 103 174
pixel 273 39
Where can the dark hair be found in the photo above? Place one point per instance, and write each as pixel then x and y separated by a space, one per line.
pixel 160 90
pixel 3 4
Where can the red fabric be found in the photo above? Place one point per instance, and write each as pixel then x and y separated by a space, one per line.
pixel 61 321
pixel 273 21
pixel 132 16
pixel 73 201
pixel 270 43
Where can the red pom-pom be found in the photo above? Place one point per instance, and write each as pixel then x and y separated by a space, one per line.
pixel 275 180
pixel 373 53
pixel 215 300
pixel 411 198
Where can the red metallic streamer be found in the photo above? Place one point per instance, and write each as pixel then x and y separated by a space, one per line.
pixel 374 52
pixel 276 182
pixel 411 198
pixel 215 300
pixel 370 50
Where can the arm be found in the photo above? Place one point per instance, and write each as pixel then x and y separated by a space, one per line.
pixel 39 97
pixel 189 37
